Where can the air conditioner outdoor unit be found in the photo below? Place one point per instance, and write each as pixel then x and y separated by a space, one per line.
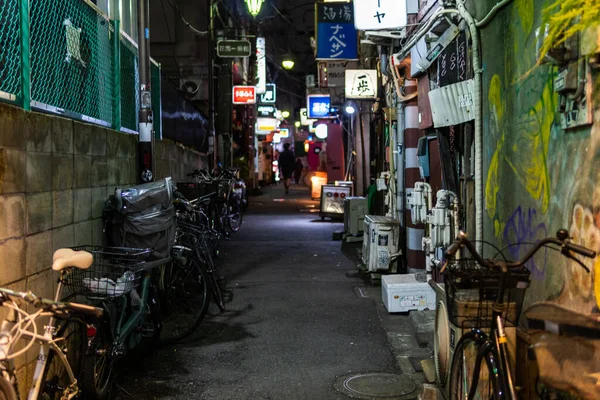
pixel 355 209
pixel 380 243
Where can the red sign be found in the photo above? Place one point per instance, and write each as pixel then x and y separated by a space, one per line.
pixel 244 95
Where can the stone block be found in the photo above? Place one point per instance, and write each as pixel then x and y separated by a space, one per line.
pixel 39 252
pixel 62 135
pixel 98 232
pixel 99 197
pixel 12 126
pixel 62 237
pixel 62 171
pixel 39 172
pixel 83 233
pixel 127 146
pixel 39 212
pixel 82 138
pixel 13 164
pixel 124 166
pixel 12 267
pixel 82 204
pixel 39 132
pixel 62 208
pixel 43 284
pixel 12 216
pixel 112 142
pixel 114 171
pixel 98 141
pixel 99 171
pixel 83 172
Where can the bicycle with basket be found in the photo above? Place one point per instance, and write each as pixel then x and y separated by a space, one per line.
pixel 485 297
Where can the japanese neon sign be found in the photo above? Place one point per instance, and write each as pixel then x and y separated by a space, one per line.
pixel 318 105
pixel 336 34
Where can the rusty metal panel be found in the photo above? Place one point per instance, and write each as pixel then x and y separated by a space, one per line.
pixel 453 104
pixel 425 118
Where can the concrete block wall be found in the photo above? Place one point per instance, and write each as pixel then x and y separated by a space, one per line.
pixel 55 175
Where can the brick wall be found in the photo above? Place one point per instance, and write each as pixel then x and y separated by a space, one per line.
pixel 55 175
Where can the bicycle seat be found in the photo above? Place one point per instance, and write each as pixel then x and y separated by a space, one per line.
pixel 65 258
pixel 560 320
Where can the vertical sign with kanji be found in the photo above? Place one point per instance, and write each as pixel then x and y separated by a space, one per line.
pixel 336 34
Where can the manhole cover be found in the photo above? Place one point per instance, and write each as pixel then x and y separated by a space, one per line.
pixel 378 385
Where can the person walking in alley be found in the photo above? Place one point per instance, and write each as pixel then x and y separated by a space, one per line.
pixel 287 163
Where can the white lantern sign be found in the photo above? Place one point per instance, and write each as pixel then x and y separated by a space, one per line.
pixel 379 14
pixel 361 84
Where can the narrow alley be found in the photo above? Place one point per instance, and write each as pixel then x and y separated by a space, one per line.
pixel 298 318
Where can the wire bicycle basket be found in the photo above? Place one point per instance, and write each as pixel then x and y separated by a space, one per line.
pixel 472 290
pixel 116 271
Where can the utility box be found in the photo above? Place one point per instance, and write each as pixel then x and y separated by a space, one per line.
pixel 403 293
pixel 355 209
pixel 380 243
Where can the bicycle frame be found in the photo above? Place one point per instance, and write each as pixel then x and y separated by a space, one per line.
pixel 47 343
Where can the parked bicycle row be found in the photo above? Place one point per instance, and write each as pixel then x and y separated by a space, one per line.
pixel 154 283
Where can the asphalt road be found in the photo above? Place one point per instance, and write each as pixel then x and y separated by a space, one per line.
pixel 295 321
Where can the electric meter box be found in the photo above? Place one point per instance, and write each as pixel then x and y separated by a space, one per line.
pixel 403 293
pixel 380 242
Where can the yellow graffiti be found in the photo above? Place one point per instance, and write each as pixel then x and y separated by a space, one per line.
pixel 530 134
pixel 525 10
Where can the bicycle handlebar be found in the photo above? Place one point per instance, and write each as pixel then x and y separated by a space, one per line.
pixel 50 305
pixel 561 239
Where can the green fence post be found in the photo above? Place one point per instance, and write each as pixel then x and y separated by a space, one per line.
pixel 25 56
pixel 117 74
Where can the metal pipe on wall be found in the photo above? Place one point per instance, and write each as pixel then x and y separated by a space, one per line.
pixel 145 112
pixel 399 151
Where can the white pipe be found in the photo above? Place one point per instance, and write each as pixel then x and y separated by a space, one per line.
pixel 493 11
pixel 478 124
pixel 400 184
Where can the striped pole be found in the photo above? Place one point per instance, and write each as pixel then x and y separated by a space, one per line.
pixel 415 256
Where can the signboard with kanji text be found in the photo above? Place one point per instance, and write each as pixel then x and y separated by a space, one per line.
pixel 270 94
pixel 372 15
pixel 234 48
pixel 336 34
pixel 318 105
pixel 244 95
pixel 361 83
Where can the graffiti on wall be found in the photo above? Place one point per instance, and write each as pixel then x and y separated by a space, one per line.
pixel 523 229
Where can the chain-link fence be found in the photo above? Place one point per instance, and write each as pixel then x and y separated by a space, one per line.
pixel 10 50
pixel 68 58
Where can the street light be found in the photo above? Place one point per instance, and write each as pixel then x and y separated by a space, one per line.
pixel 254 6
pixel 285 114
pixel 287 63
pixel 321 131
pixel 297 124
pixel 350 109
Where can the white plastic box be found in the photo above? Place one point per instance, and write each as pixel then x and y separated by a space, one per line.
pixel 402 293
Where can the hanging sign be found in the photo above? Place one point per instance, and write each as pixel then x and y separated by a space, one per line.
pixel 261 65
pixel 266 111
pixel 333 73
pixel 284 133
pixel 318 105
pixel 265 125
pixel 233 48
pixel 336 34
pixel 270 94
pixel 379 14
pixel 244 95
pixel 361 83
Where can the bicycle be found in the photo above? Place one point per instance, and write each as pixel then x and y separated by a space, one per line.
pixel 112 283
pixel 481 365
pixel 57 369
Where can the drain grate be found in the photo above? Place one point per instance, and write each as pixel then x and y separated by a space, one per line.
pixel 378 385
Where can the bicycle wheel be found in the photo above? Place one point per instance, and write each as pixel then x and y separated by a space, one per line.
pixel 184 299
pixel 234 219
pixel 465 369
pixel 55 379
pixel 7 390
pixel 99 363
